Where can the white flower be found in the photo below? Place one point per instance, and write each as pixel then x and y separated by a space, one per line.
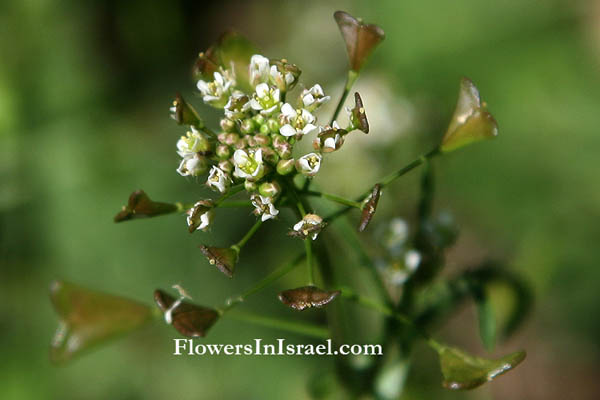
pixel 259 69
pixel 309 164
pixel 237 106
pixel 296 122
pixel 264 207
pixel 248 164
pixel 216 92
pixel 193 165
pixel 283 81
pixel 310 225
pixel 412 260
pixel 330 138
pixel 266 99
pixel 218 179
pixel 191 144
pixel 312 98
pixel 200 216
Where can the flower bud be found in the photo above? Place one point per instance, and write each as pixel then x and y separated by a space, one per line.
pixel 231 139
pixel 273 125
pixel 269 155
pixel 227 125
pixel 285 167
pixel 470 122
pixel 269 189
pixel 248 126
pixel 226 166
pixel 250 186
pixel 264 129
pixel 223 151
pixel 249 140
pixel 262 140
pixel 184 114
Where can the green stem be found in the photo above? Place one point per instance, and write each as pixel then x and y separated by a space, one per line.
pixel 387 180
pixel 209 132
pixel 334 198
pixel 238 246
pixel 236 204
pixel 266 281
pixel 309 267
pixel 276 323
pixel 350 79
pixel 233 190
pixel 388 311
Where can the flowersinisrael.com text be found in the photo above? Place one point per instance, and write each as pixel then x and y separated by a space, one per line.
pixel 279 348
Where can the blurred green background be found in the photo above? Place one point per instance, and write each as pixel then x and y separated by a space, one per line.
pixel 84 94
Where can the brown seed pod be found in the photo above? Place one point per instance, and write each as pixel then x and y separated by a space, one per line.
pixel 369 207
pixel 189 319
pixel 140 206
pixel 307 297
pixel 222 258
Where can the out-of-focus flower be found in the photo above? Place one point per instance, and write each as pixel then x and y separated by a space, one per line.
pixel 216 93
pixel 309 164
pixel 259 69
pixel 264 207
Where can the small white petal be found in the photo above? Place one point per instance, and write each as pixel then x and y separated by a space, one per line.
pixel 287 130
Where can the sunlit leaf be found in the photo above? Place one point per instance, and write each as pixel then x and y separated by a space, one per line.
pixel 140 206
pixel 470 122
pixel 306 297
pixel 88 317
pixel 463 371
pixel 224 258
pixel 189 319
pixel 361 39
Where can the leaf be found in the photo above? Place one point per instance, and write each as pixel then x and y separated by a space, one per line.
pixel 306 297
pixel 235 50
pixel 140 206
pixel 463 371
pixel 470 122
pixel 361 39
pixel 88 318
pixel 189 319
pixel 224 258
pixel 369 207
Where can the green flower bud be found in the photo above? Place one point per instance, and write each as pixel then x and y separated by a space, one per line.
pixel 227 125
pixel 269 189
pixel 226 166
pixel 273 125
pixel 250 140
pixel 231 139
pixel 259 119
pixel 250 186
pixel 264 129
pixel 248 126
pixel 223 151
pixel 284 167
pixel 262 140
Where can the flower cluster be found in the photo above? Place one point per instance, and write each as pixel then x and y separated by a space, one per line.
pixel 258 131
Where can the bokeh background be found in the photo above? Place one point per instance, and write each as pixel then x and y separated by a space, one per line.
pixel 84 94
